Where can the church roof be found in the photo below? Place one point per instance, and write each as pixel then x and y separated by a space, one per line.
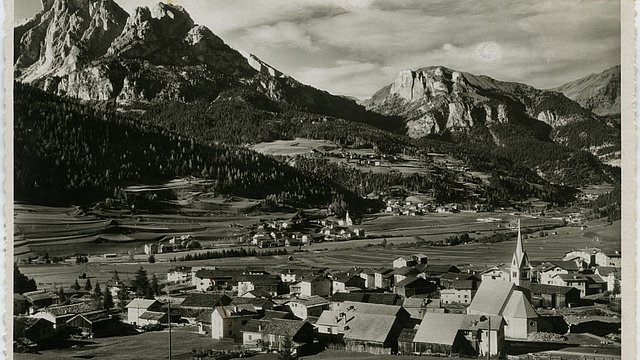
pixel 519 306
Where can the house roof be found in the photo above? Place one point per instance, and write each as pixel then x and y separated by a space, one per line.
pixel 343 296
pixel 93 317
pixel 152 315
pixel 550 289
pixel 440 328
pixel 259 293
pixel 412 281
pixel 311 301
pixel 566 265
pixel 519 306
pixel 572 278
pixel 369 308
pixel 253 326
pixel 456 276
pixel 420 302
pixel 283 327
pixel 274 314
pixel 384 299
pixel 368 327
pixel 71 309
pixel 205 300
pixel 260 279
pixel 439 268
pixel 405 271
pixel 607 270
pixel 205 317
pixel 463 285
pixel 27 321
pixel 139 303
pixel 256 302
pixel 40 296
pixel 235 311
pixel 492 297
pixel 407 335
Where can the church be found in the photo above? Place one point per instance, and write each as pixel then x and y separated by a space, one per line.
pixel 510 299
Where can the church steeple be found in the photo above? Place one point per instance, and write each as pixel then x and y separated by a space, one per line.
pixel 520 266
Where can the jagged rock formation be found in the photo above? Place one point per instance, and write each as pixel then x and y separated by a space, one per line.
pixel 599 93
pixel 435 100
pixel 92 49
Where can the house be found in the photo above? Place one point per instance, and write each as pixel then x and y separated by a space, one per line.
pixel 336 300
pixel 138 306
pixel 179 274
pixel 506 299
pixel 252 333
pixel 311 286
pixel 496 273
pixel 257 293
pixel 611 275
pixel 400 274
pixel 383 278
pixel 40 298
pixel 304 307
pixel 587 284
pixel 216 279
pixel 435 271
pixel 292 275
pixel 376 309
pixel 275 331
pixel 150 249
pixel 553 296
pixel 421 259
pixel 383 299
pixel 595 257
pixel 550 269
pixel 417 306
pixel 225 322
pixel 463 334
pixel 20 304
pixel 361 331
pixel 369 278
pixel 411 286
pixel 259 304
pixel 450 280
pixel 165 248
pixel 93 324
pixel 271 284
pixel 459 292
pixel 35 330
pixel 59 314
pixel 404 261
pixel 341 283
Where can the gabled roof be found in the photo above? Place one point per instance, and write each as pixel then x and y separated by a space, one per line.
pixel 607 270
pixel 463 285
pixel 152 315
pixel 413 281
pixel 492 297
pixel 405 271
pixel 550 289
pixel 310 301
pixel 367 308
pixel 440 328
pixel 259 293
pixel 234 311
pixel 519 306
pixel 256 302
pixel 566 265
pixel 139 303
pixel 456 276
pixel 283 327
pixel 274 314
pixel 439 268
pixel 368 327
pixel 205 300
pixel 384 299
pixel 343 296
pixel 72 309
pixel 93 317
pixel 420 302
pixel 260 279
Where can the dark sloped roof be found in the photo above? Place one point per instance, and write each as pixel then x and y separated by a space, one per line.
pixel 72 309
pixel 152 315
pixel 550 289
pixel 407 335
pixel 342 296
pixel 260 279
pixel 412 281
pixel 283 327
pixel 205 317
pixel 311 301
pixel 384 299
pixel 205 300
pixel 259 302
pixel 273 314
pixel 440 268
pixel 253 326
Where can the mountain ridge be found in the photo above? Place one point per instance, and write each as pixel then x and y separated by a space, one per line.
pixel 598 92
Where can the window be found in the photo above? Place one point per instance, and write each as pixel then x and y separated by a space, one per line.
pixel 230 333
pixel 244 322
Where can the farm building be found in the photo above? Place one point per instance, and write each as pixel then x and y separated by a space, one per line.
pixel 138 306
pixel 275 331
pixel 35 330
pixel 40 298
pixel 405 341
pixel 435 271
pixel 94 324
pixel 59 314
pixel 311 286
pixel 259 304
pixel 369 278
pixel 400 274
pixel 459 291
pixel 205 301
pixel 496 273
pixel 501 298
pixel 411 286
pixel 152 318
pixel 383 278
pixel 376 309
pixel 467 335
pixel 448 280
pixel 216 279
pixel 553 296
pixel 304 307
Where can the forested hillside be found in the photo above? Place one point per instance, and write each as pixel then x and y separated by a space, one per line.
pixel 66 151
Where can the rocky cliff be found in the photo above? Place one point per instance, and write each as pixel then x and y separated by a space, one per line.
pixel 599 93
pixel 435 100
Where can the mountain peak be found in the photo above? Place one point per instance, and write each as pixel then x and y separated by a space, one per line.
pixel 599 92
pixel 64 35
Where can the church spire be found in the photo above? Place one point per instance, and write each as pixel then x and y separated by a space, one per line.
pixel 519 247
pixel 520 266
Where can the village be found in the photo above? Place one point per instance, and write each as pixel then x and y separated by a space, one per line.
pixel 409 306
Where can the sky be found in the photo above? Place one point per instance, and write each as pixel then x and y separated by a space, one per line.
pixel 355 47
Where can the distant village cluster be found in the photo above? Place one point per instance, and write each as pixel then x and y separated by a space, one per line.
pixel 413 306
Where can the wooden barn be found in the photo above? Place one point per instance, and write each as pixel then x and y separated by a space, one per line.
pixel 553 296
pixel 93 324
